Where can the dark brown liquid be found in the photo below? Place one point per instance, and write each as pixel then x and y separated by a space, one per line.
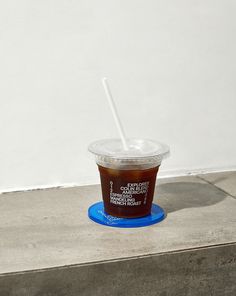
pixel 128 193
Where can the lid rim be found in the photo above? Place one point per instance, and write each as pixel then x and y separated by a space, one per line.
pixel 164 153
pixel 133 157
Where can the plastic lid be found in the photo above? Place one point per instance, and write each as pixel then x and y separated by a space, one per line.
pixel 97 214
pixel 110 152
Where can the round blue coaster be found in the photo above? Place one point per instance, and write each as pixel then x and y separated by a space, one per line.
pixel 97 214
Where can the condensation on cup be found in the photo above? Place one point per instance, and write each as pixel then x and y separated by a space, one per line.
pixel 128 177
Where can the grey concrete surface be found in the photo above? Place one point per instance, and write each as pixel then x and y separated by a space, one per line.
pixel 199 272
pixel 49 228
pixel 223 180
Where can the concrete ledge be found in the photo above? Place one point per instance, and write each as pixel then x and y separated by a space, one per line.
pixel 225 181
pixel 49 247
pixel 204 271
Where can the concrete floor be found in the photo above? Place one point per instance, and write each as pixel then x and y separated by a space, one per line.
pixel 48 245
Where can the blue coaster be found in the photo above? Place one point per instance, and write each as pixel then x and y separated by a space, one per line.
pixel 97 214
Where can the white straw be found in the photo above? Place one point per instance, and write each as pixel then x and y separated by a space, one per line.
pixel 114 112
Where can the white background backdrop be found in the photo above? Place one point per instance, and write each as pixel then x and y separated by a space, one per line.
pixel 171 66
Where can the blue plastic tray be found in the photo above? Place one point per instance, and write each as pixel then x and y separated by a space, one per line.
pixel 97 214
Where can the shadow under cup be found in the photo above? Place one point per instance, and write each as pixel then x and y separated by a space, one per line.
pixel 128 193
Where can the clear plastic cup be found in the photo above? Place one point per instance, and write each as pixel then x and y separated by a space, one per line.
pixel 128 177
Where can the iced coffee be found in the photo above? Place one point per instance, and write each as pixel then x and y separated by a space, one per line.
pixel 128 177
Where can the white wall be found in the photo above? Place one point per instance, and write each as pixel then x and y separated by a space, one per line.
pixel 171 66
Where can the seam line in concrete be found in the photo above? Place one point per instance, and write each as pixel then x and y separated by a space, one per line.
pixel 118 259
pixel 220 189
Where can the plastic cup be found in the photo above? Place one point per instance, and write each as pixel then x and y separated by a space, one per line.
pixel 128 177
